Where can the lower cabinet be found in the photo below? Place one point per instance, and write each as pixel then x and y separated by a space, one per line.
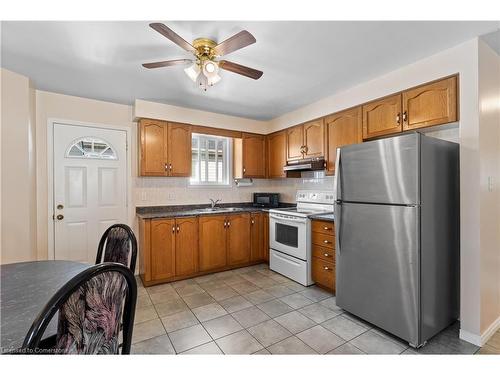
pixel 186 246
pixel 265 220
pixel 212 242
pixel 323 254
pixel 162 249
pixel 257 244
pixel 174 249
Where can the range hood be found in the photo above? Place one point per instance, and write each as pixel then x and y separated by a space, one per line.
pixel 312 164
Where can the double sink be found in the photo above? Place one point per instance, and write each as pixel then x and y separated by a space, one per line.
pixel 218 209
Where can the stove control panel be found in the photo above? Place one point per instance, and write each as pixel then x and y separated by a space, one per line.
pixel 311 196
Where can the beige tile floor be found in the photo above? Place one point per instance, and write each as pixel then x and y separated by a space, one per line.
pixel 254 310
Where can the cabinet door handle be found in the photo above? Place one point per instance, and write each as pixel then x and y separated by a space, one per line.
pixel 253 222
pixel 178 229
pixel 170 167
pixel 405 116
pixel 173 228
pixel 228 223
pixel 398 117
pixel 166 166
pixel 225 224
pixel 244 170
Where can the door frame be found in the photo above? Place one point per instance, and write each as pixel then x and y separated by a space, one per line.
pixel 50 173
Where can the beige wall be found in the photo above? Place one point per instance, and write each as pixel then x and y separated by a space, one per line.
pixel 154 110
pixel 489 145
pixel 18 169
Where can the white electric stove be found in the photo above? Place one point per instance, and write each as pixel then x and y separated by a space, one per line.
pixel 290 234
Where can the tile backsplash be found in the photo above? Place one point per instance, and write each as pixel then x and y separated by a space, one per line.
pixel 160 191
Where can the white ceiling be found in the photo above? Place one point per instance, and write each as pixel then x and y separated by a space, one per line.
pixel 302 61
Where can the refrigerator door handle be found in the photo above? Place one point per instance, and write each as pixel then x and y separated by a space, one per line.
pixel 338 224
pixel 337 176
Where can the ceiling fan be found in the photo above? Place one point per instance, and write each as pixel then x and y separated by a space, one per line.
pixel 204 69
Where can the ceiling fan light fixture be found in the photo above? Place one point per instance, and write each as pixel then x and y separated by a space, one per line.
pixel 213 79
pixel 193 72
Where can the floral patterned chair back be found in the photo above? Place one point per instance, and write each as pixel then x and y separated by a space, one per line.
pixel 118 244
pixel 93 307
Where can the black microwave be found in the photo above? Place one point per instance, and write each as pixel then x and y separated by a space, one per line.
pixel 266 199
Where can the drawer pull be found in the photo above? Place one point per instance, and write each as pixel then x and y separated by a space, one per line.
pixel 326 241
pixel 326 255
pixel 326 268
pixel 326 228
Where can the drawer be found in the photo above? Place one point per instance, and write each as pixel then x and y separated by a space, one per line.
pixel 325 240
pixel 323 273
pixel 293 268
pixel 325 253
pixel 325 227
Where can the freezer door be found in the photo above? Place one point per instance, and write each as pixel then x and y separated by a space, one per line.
pixel 381 171
pixel 377 266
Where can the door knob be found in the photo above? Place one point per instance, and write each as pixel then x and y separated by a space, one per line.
pixel 60 206
pixel 60 217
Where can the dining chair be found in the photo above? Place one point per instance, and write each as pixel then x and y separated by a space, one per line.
pixel 118 244
pixel 93 308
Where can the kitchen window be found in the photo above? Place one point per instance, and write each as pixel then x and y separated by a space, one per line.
pixel 210 160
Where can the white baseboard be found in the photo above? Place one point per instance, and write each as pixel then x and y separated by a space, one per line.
pixel 482 339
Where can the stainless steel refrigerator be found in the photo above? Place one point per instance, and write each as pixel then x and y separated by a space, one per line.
pixel 397 234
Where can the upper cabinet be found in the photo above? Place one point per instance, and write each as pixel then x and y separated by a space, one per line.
pixel 313 138
pixel 165 148
pixel 179 150
pixel 250 156
pixel 341 129
pixel 295 143
pixel 153 136
pixel 276 154
pixel 382 117
pixel 431 104
pixel 434 103
pixel 306 140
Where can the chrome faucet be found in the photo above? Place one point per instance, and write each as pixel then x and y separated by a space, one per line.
pixel 214 203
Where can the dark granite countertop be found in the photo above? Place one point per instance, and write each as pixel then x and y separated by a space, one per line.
pixel 323 216
pixel 156 212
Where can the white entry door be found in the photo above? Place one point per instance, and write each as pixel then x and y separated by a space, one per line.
pixel 90 188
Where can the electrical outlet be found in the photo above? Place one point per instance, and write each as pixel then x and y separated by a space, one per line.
pixel 171 196
pixel 490 183
pixel 144 196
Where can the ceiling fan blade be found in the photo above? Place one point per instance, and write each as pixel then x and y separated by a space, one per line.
pixel 174 37
pixel 161 64
pixel 236 42
pixel 240 69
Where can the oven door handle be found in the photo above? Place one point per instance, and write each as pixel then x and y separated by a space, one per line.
pixel 280 218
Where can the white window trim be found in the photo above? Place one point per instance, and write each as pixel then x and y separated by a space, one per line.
pixel 208 185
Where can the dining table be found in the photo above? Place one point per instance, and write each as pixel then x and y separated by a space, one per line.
pixel 25 289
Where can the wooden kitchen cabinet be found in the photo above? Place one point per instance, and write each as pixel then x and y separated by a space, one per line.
pixel 249 159
pixel 265 220
pixel 382 117
pixel 257 236
pixel 341 129
pixel 306 140
pixel 295 143
pixel 212 242
pixel 276 154
pixel 153 135
pixel 164 149
pixel 431 104
pixel 238 239
pixel 323 254
pixel 314 145
pixel 179 150
pixel 186 246
pixel 162 249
